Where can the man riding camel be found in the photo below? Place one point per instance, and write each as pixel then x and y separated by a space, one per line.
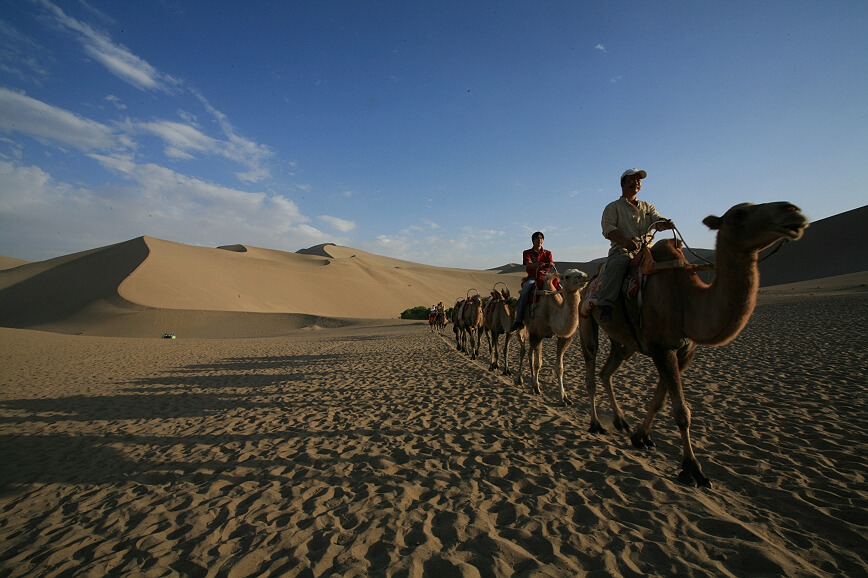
pixel 537 264
pixel 625 223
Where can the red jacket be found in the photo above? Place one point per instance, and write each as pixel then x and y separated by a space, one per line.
pixel 530 256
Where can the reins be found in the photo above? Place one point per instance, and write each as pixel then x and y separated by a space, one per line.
pixel 649 236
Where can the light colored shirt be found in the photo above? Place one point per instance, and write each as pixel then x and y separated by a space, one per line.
pixel 632 221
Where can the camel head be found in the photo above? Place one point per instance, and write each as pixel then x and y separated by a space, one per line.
pixel 749 228
pixel 573 280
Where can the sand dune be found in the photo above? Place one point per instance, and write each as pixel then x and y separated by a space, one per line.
pixel 147 287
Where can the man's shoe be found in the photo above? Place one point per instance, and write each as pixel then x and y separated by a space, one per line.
pixel 517 326
pixel 606 314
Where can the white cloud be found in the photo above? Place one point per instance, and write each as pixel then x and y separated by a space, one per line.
pixel 118 104
pixel 239 149
pixel 42 218
pixel 48 123
pixel 337 223
pixel 115 57
pixel 179 137
pixel 600 47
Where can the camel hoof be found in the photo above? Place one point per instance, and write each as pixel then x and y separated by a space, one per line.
pixel 597 428
pixel 492 367
pixel 567 402
pixel 691 475
pixel 642 441
pixel 621 424
pixel 507 372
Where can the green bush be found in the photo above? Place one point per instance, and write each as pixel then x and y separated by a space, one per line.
pixel 420 312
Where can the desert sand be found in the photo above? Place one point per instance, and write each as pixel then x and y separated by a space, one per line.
pixel 309 436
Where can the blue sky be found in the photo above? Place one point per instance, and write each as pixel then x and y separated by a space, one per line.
pixel 439 132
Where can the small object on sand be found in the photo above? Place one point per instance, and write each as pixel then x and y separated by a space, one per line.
pixel 169 336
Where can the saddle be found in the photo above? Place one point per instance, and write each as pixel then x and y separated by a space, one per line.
pixel 664 255
pixel 496 297
pixel 540 292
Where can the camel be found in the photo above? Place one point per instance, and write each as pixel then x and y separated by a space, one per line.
pixel 679 312
pixel 556 313
pixel 440 321
pixel 471 320
pixel 456 323
pixel 498 318
pixel 437 319
pixel 467 317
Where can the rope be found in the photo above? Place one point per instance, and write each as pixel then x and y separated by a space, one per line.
pixel 649 236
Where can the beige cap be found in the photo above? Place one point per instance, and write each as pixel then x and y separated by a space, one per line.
pixel 631 172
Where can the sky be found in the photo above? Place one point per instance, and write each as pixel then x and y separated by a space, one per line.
pixel 440 132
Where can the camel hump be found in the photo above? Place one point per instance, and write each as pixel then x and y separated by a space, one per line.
pixel 667 250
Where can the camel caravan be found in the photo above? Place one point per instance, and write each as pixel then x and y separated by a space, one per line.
pixel 664 311
pixel 437 318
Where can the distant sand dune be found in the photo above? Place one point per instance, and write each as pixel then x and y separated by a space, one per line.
pixel 147 287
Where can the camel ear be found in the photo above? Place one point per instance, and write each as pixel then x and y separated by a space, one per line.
pixel 712 222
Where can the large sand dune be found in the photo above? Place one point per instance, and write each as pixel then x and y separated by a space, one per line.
pixel 148 287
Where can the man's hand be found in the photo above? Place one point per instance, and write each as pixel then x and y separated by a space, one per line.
pixel 630 244
pixel 665 226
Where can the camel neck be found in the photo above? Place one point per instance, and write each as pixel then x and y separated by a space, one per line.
pixel 728 302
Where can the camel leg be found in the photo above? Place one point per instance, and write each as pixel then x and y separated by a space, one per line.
pixel 589 341
pixel 535 364
pixel 493 351
pixel 617 356
pixel 641 438
pixel 506 338
pixel 563 344
pixel 475 342
pixel 522 354
pixel 668 364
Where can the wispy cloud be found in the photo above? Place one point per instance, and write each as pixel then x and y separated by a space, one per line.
pixel 116 102
pixel 47 123
pixel 600 47
pixel 115 57
pixel 337 223
pixel 20 56
pixel 239 149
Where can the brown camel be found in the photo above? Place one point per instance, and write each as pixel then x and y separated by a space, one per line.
pixel 437 320
pixel 456 322
pixel 555 313
pixel 440 320
pixel 468 325
pixel 498 318
pixel 679 312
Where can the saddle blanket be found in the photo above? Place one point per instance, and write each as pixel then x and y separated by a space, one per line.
pixel 629 288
